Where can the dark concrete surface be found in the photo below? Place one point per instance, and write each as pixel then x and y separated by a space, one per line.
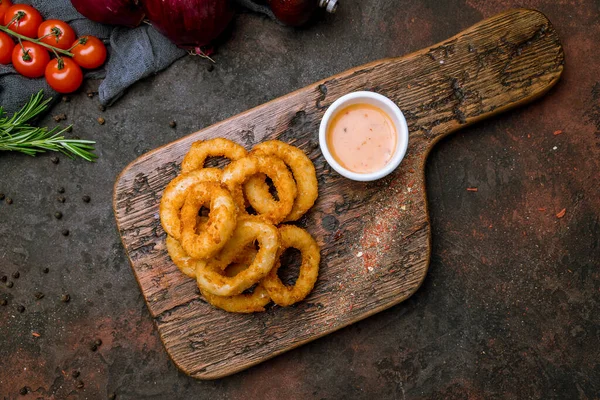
pixel 511 305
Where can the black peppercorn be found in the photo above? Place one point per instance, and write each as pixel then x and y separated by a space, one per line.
pixel 86 199
pixel 58 215
pixel 65 232
pixel 21 309
pixel 173 124
pixel 2 196
pixel 3 302
pixel 101 108
pixel 75 374
pixel 112 396
pixel 98 342
pixel 66 99
pixel 9 201
pixel 55 160
pixel 61 190
pixel 210 68
pixel 23 391
pixel 3 278
pixel 16 275
pixel 9 284
pixel 59 117
pixel 39 295
pixel 46 270
pixel 93 347
pixel 65 298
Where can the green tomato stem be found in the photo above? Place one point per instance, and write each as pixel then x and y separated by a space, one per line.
pixel 37 41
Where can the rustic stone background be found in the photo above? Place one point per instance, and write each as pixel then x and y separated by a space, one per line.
pixel 511 305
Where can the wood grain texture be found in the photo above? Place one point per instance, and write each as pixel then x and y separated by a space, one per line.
pixel 375 237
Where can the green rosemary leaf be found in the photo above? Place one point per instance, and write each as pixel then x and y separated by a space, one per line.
pixel 17 135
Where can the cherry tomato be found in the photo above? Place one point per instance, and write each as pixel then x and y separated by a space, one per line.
pixel 4 5
pixel 56 33
pixel 27 24
pixel 30 60
pixel 6 48
pixel 89 52
pixel 64 75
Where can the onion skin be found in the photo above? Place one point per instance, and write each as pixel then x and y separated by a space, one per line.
pixel 112 12
pixel 189 24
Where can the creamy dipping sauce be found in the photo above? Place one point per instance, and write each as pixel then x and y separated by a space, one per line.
pixel 362 138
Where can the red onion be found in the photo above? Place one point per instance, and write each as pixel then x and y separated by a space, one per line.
pixel 114 12
pixel 293 12
pixel 189 24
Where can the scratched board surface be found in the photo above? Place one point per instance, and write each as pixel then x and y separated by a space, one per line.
pixel 375 237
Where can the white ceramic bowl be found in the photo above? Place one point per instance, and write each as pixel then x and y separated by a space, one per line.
pixel 386 105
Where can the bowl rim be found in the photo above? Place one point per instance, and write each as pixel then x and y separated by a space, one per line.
pixel 401 132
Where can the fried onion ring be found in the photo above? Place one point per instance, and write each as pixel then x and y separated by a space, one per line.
pixel 303 170
pixel 174 196
pixel 222 219
pixel 181 259
pixel 242 261
pixel 210 278
pixel 203 149
pixel 297 238
pixel 241 303
pixel 236 173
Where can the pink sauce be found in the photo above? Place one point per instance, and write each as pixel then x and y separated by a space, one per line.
pixel 362 138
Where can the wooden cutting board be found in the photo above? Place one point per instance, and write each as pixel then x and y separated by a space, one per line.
pixel 375 237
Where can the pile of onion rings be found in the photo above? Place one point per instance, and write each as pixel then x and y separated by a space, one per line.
pixel 234 252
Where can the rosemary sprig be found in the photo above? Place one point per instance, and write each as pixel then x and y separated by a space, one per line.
pixel 17 135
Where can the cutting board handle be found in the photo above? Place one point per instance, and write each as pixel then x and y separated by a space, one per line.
pixel 499 63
